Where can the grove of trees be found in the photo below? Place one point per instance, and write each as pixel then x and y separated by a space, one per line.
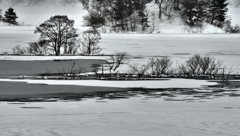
pixel 127 15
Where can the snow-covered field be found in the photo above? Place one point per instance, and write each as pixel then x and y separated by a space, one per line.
pixel 137 116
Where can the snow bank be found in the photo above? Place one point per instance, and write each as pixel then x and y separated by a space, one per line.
pixel 171 83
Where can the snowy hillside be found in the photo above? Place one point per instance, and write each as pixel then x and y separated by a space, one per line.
pixel 172 22
pixel 39 3
pixel 175 24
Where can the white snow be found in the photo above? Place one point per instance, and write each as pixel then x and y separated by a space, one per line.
pixel 171 83
pixel 234 13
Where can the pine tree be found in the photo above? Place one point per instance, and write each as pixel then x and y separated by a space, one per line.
pixel 10 16
pixel 217 11
pixel 119 9
pixel 194 11
pixel 190 11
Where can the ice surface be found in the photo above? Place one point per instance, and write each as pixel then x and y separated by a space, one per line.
pixel 138 116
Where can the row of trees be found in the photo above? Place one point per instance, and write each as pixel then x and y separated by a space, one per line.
pixel 9 16
pixel 196 66
pixel 59 37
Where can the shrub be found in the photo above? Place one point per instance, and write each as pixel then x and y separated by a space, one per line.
pixel 160 65
pixel 18 50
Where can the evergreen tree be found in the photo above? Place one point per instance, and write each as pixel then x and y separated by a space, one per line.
pixel 194 11
pixel 142 14
pixel 119 9
pixel 10 16
pixel 189 11
pixel 217 11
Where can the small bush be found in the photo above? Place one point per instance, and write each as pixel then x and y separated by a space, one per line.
pixel 161 65
pixel 18 50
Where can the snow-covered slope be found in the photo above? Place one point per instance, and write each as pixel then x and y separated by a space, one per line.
pixel 35 12
pixel 39 2
pixel 176 25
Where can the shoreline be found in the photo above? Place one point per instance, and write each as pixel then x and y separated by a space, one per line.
pixel 22 91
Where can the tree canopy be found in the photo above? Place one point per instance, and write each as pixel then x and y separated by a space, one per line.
pixel 56 33
pixel 10 16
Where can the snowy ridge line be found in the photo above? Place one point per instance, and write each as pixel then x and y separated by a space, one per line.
pixel 172 83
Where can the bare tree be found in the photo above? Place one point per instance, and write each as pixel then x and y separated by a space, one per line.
pixel 89 41
pixel 116 60
pixel 58 31
pixel 73 70
pixel 162 65
pixel 153 19
pixel 151 63
pixel 159 3
pixel 193 64
pixel 204 64
pixel 139 69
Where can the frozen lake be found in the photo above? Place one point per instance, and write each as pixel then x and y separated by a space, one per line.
pixel 138 116
pixel 141 46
